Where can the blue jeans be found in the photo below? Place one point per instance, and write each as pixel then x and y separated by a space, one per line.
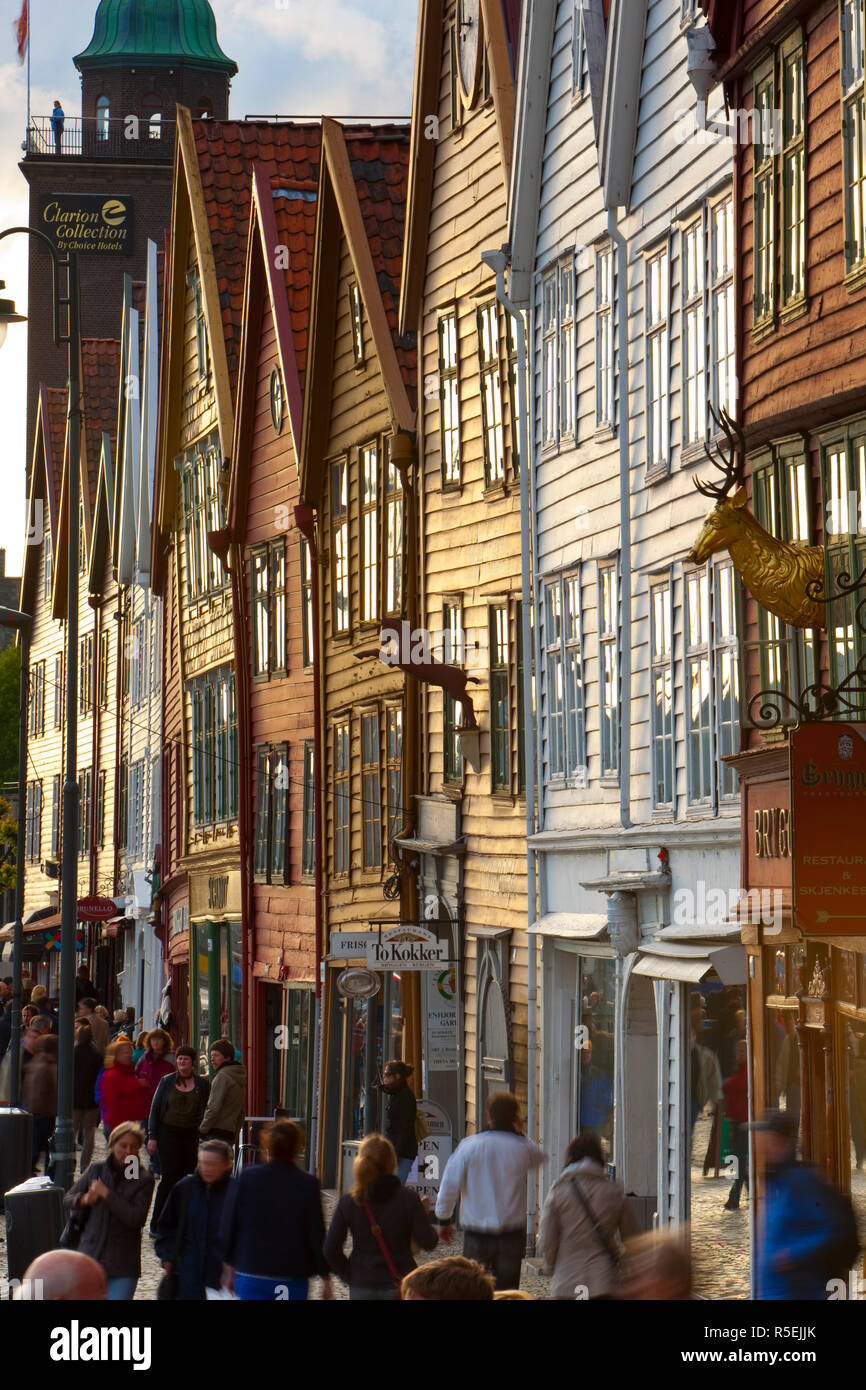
pixel 261 1288
pixel 121 1289
pixel 404 1168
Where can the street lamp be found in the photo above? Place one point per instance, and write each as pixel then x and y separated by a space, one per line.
pixel 9 617
pixel 64 1143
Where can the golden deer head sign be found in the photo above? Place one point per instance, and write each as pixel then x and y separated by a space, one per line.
pixel 777 574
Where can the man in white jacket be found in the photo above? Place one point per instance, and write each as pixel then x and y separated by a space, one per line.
pixel 488 1172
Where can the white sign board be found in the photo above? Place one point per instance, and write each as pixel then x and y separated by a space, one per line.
pixel 440 1001
pixel 406 955
pixel 433 1152
pixel 349 943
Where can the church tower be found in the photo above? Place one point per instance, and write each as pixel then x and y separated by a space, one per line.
pixel 145 57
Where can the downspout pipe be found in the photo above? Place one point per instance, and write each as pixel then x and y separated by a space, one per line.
pixel 497 262
pixel 624 522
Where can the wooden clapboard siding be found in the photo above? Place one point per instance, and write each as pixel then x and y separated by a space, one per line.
pixel 471 541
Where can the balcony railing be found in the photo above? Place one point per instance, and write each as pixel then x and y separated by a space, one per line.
pixel 93 137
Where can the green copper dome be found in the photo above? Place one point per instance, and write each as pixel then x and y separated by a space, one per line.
pixel 155 33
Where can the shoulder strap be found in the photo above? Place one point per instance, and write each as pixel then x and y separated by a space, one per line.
pixel 380 1241
pixel 609 1249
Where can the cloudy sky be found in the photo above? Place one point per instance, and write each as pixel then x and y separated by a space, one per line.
pixel 295 57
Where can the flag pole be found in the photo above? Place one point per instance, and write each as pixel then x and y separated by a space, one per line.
pixel 29 3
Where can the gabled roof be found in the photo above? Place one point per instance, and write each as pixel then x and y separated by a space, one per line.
pixel 45 480
pixel 362 189
pixel 425 99
pixel 212 188
pixel 280 285
pixel 100 362
pixel 621 102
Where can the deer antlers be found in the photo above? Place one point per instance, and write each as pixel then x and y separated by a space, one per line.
pixel 731 463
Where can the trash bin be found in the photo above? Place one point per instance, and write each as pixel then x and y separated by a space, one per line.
pixel 34 1221
pixel 16 1138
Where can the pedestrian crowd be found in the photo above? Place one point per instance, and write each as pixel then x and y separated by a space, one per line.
pixel 259 1234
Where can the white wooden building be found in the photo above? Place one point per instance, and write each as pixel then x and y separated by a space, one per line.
pixel 621 254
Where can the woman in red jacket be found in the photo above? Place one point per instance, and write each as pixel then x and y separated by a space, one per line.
pixel 122 1096
pixel 736 1090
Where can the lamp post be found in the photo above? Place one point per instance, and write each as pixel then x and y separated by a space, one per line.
pixel 64 1144
pixel 9 617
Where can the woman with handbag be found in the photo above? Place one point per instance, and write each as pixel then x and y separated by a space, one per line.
pixel 584 1215
pixel 188 1240
pixel 400 1116
pixel 384 1218
pixel 111 1199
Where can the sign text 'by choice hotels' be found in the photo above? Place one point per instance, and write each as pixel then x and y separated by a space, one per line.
pixel 89 223
pixel 828 805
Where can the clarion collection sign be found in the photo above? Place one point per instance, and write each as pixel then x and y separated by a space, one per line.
pixel 88 223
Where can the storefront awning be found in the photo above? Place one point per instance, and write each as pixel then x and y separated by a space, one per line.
pixel 48 923
pixel 573 926
pixel 692 964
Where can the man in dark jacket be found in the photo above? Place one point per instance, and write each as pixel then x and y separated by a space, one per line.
pixel 194 1212
pixel 400 1110
pixel 803 1241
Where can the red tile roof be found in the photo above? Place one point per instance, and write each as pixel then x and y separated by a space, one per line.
pixel 100 367
pixel 55 403
pixel 379 156
pixel 296 228
pixel 227 151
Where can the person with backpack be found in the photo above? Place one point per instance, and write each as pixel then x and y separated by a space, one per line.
pixel 808 1231
pixel 383 1218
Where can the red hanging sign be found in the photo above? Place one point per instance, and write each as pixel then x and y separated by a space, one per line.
pixel 96 909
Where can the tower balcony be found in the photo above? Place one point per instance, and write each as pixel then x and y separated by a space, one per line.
pixel 121 139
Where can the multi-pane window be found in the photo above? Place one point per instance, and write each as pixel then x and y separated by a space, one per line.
pixel 394 762
pixel 781 503
pixel 37 699
pixel 491 394
pixel 100 810
pixel 500 720
pixel 214 749
pixel 764 211
pixel 342 793
pixel 121 803
pixel 726 673
pixel 579 64
pixel 85 786
pixel 203 511
pixel 452 710
pixel 306 602
pixel 699 759
pixel 371 793
pixel 356 317
pixel 340 529
pixel 513 391
pixel 657 358
pixel 449 401
pixel 55 816
pixel 369 533
pixel 793 170
pixel 46 566
pixel 194 280
pixel 604 378
pixel 694 341
pixel 564 688
pixel 137 804
pixel 102 673
pixel 558 352
pixel 33 821
pixel 82 538
pixel 724 379
pixel 853 25
pixel 662 696
pixel 393 535
pixel 844 498
pixel 139 662
pixel 308 849
pixel 58 691
pixel 272 818
pixel 780 180
pixel 85 674
pixel 268 595
pixel 608 651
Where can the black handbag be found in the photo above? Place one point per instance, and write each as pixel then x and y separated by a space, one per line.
pixel 70 1237
pixel 166 1289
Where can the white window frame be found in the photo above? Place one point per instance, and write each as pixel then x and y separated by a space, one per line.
pixel 609 660
pixel 853 29
pixel 657 366
pixel 605 298
pixel 693 279
pixel 723 362
pixel 662 721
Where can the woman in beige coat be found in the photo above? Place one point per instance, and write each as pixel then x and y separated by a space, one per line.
pixel 584 1215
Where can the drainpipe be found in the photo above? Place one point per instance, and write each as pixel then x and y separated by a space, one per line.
pixel 497 261
pixel 624 523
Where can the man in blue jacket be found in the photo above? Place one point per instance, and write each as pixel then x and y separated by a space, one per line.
pixel 804 1237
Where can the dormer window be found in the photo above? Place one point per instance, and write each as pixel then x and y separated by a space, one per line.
pixel 356 313
pixel 103 117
